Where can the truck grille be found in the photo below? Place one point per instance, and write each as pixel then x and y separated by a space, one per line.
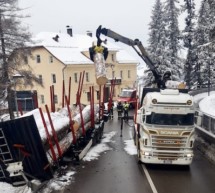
pixel 167 156
pixel 169 142
pixel 168 147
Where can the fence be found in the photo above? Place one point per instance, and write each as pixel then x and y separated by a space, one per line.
pixel 205 123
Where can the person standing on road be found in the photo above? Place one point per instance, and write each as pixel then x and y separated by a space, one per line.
pixel 126 108
pixel 119 109
pixel 111 104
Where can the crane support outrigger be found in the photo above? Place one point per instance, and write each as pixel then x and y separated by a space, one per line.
pixel 164 127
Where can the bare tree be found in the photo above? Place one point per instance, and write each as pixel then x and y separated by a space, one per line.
pixel 14 48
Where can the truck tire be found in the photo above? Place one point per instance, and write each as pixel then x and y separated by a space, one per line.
pixel 134 136
pixel 138 152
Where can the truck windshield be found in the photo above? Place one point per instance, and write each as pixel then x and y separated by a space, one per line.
pixel 126 94
pixel 170 119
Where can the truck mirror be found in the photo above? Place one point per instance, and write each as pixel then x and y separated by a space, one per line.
pixel 139 117
pixel 148 113
pixel 198 120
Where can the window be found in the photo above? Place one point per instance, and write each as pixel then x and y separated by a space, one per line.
pixel 38 58
pixel 129 74
pixel 42 99
pixel 26 59
pixel 76 77
pixel 55 99
pixel 112 57
pixel 121 74
pixel 114 92
pixel 88 96
pixel 97 95
pixel 170 119
pixel 113 74
pixel 87 77
pixel 53 78
pixel 51 59
pixel 41 79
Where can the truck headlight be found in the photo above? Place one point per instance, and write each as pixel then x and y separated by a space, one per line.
pixel 154 101
pixel 189 102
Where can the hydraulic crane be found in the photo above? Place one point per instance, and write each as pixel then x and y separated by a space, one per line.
pixel 139 49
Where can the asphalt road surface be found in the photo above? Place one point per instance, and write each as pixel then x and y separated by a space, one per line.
pixel 116 171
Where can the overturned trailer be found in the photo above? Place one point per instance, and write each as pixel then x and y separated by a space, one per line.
pixel 32 147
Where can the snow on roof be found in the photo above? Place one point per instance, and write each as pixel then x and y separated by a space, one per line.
pixel 69 55
pixel 124 57
pixel 68 48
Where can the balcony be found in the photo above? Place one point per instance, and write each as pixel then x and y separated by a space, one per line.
pixel 118 81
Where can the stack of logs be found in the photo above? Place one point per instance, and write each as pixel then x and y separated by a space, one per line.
pixel 64 134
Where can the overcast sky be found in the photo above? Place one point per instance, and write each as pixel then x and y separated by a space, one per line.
pixel 128 18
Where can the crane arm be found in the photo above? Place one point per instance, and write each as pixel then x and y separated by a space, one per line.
pixel 134 44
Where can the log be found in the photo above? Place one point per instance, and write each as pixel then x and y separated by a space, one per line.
pixel 100 69
pixel 66 142
pixel 62 126
pixel 86 116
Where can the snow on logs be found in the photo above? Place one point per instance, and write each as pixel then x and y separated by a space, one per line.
pixel 61 125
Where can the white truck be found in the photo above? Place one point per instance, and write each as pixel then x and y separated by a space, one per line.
pixel 164 129
pixel 164 123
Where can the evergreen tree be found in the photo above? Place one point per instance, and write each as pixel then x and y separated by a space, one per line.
pixel 13 51
pixel 205 42
pixel 188 37
pixel 173 36
pixel 157 40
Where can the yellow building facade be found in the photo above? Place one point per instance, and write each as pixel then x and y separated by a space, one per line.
pixel 65 59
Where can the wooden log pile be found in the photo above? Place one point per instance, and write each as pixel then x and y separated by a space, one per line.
pixel 61 125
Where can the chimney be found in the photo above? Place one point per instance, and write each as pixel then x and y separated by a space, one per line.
pixel 56 38
pixel 90 33
pixel 69 30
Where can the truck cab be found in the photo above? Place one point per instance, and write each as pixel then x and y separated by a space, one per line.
pixel 129 96
pixel 165 128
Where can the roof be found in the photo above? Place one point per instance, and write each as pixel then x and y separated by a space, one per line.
pixel 169 98
pixel 68 49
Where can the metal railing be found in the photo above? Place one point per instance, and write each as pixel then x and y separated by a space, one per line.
pixel 205 123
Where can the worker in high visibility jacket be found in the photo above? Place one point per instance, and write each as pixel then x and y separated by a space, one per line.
pixel 125 109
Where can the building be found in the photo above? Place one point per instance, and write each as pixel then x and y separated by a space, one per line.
pixel 63 56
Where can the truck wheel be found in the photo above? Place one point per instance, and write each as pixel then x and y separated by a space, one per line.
pixel 138 153
pixel 98 138
pixel 134 136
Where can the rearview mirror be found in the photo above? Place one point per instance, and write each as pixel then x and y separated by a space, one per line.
pixel 148 113
pixel 139 116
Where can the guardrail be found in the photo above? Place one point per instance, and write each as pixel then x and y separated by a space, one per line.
pixel 202 90
pixel 205 123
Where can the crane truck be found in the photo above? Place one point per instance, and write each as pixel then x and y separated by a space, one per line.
pixel 164 123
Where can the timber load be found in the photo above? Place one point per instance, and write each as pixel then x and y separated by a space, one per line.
pixel 61 125
pixel 38 141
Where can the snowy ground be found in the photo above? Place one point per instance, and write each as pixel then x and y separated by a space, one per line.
pixel 206 104
pixel 60 181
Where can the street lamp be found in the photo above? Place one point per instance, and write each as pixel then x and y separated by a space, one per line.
pixel 15 78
